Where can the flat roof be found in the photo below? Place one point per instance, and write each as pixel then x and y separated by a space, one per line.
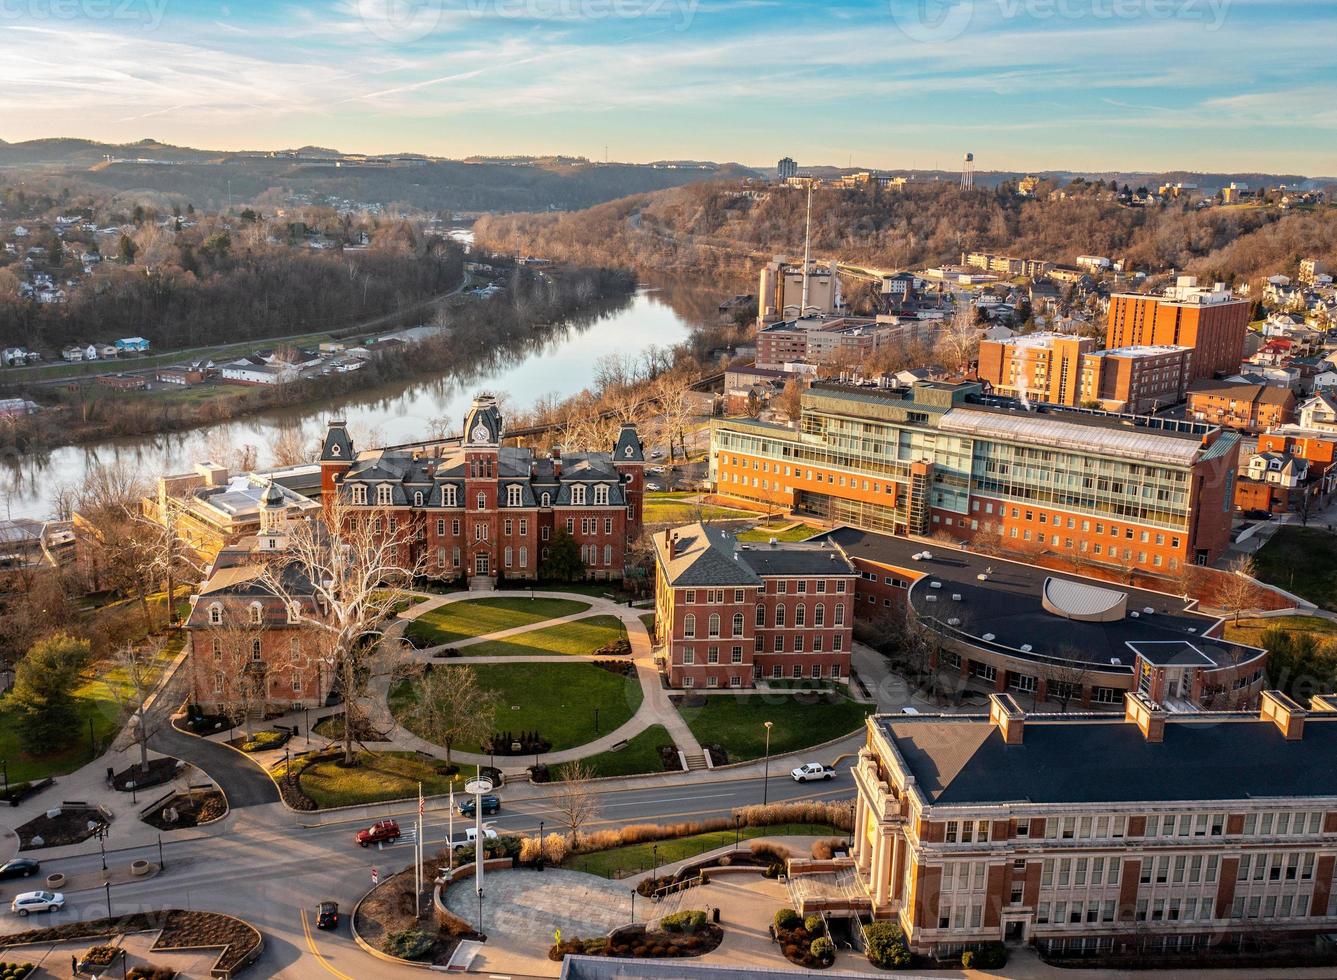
pixel 1005 611
pixel 1051 429
pixel 1098 758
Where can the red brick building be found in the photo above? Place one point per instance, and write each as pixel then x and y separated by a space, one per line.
pixel 1211 321
pixel 728 614
pixel 482 509
pixel 1240 405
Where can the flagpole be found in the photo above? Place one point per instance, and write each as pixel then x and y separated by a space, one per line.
pixel 450 830
pixel 417 860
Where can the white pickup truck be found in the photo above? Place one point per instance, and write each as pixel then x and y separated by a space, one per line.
pixel 471 837
pixel 810 771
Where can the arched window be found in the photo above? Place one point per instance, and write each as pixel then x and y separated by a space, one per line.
pixel 737 624
pixel 482 501
pixel 547 499
pixel 840 614
pixel 800 615
pixel 761 614
pixel 215 614
pixel 513 498
pixel 779 615
pixel 256 655
pixel 819 615
pixel 713 625
pixel 417 498
pixel 256 612
pixel 218 648
pixel 689 626
pixel 608 554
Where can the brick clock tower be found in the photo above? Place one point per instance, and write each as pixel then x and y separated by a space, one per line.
pixel 629 460
pixel 482 445
pixel 336 456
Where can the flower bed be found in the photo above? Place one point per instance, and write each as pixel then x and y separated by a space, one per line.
pixel 70 826
pixel 803 941
pixel 261 741
pixel 384 919
pixel 18 792
pixel 150 972
pixel 681 935
pixel 192 809
pixel 159 771
pixel 240 942
pixel 99 958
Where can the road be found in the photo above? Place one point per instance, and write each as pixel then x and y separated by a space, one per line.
pixel 262 866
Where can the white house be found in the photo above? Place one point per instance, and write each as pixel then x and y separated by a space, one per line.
pixel 244 372
pixel 1319 412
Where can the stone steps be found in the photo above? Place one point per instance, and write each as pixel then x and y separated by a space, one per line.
pixel 696 761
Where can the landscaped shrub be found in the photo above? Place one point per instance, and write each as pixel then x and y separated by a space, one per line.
pixel 770 851
pixel 787 919
pixel 815 925
pixel 822 948
pixel 408 944
pixel 886 945
pixel 268 739
pixel 987 957
pixel 688 920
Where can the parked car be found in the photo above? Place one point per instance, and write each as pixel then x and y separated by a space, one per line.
pixel 908 710
pixel 491 804
pixel 653 487
pixel 27 902
pixel 657 454
pixel 19 868
pixel 327 915
pixel 471 837
pixel 810 771
pixel 381 832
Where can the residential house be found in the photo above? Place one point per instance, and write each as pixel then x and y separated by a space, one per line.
pixel 1246 407
pixel 1319 412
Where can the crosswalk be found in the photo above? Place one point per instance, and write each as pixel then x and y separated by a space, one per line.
pixel 408 836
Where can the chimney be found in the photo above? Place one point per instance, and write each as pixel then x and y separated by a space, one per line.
pixel 1146 714
pixel 1008 716
pixel 1323 702
pixel 1285 713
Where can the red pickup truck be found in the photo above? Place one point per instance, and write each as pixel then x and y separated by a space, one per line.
pixel 382 831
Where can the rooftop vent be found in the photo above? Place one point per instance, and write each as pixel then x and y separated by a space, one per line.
pixel 1025 648
pixel 982 577
pixel 953 622
pixel 1134 614
pixel 987 637
pixel 1148 610
pixel 930 598
pixel 935 585
pixel 956 596
pixel 1116 661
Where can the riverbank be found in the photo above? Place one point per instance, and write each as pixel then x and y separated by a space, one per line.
pixel 482 335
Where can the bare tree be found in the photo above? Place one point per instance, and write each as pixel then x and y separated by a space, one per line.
pixel 1066 677
pixel 673 395
pixel 1239 591
pixel 959 338
pixel 139 668
pixel 577 801
pixel 450 706
pixel 290 448
pixel 120 548
pixel 340 574
pixel 233 667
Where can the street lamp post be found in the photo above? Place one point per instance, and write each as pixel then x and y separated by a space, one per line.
pixel 478 786
pixel 633 906
pixel 766 773
pixel 4 767
pixel 107 885
pixel 737 829
pixel 306 714
pixel 654 873
pixel 596 721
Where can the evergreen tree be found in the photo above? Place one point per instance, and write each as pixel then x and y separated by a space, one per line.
pixel 563 563
pixel 43 692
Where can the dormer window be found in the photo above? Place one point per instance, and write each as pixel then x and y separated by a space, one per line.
pixel 359 495
pixel 448 496
pixel 513 495
pixel 384 496
pixel 256 612
pixel 547 499
pixel 417 498
pixel 601 495
pixel 215 615
pixel 578 495
pixel 294 613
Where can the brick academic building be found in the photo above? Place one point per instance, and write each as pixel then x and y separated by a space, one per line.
pixel 484 510
pixel 934 459
pixel 1210 321
pixel 1210 829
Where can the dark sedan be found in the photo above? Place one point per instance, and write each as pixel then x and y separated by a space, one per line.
pixel 491 804
pixel 19 868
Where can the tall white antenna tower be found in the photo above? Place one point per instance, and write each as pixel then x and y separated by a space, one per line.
pixel 968 172
pixel 807 252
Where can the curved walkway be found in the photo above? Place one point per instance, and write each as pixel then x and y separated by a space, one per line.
pixel 655 709
pixel 244 782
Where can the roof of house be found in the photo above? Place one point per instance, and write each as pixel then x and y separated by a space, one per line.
pixel 1105 759
pixel 704 555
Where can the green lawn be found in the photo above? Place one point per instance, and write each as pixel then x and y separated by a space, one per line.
pixel 1302 560
pixel 686 513
pixel 798 532
pixel 620 861
pixel 648 620
pixel 800 720
pixel 580 638
pixel 98 700
pixel 640 754
pixel 556 699
pixel 475 617
pixel 380 776
pixel 1250 630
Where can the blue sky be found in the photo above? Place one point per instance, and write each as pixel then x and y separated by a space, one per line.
pixel 1024 84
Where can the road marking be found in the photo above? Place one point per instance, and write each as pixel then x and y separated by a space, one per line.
pixel 311 945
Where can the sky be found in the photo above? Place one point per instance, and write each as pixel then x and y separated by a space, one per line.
pixel 1224 85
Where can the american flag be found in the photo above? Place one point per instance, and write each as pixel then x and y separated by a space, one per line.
pixel 422 804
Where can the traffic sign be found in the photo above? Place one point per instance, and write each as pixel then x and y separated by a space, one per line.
pixel 375 877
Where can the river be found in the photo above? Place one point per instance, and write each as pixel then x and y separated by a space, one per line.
pixel 396 413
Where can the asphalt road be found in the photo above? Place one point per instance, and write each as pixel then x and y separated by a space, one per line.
pixel 263 867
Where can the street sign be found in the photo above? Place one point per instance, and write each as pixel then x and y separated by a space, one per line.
pixel 375 877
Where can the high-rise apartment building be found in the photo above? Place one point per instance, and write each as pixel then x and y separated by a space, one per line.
pixel 1038 367
pixel 1210 321
pixel 944 458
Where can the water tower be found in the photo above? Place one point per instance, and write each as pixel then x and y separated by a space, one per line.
pixel 968 172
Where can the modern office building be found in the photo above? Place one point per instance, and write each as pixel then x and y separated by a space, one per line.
pixel 728 614
pixel 1091 833
pixel 1210 321
pixel 1126 491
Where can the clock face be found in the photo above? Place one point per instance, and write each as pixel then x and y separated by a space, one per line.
pixel 480 433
